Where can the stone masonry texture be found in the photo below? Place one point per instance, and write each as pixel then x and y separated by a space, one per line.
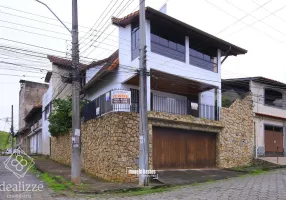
pixel 236 141
pixel 110 143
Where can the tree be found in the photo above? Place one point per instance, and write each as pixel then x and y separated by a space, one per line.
pixel 61 117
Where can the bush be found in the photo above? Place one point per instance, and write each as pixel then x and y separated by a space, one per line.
pixel 61 117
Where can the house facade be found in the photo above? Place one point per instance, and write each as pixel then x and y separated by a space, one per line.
pixel 34 117
pixel 269 112
pixel 183 93
pixel 30 96
pixel 184 66
pixel 59 87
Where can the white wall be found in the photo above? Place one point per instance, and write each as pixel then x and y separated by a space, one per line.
pixel 257 90
pixel 91 72
pixel 111 81
pixel 156 62
pixel 47 98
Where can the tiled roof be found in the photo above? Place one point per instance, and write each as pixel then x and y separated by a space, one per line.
pixel 63 62
pixel 111 63
pixel 109 60
pixel 126 19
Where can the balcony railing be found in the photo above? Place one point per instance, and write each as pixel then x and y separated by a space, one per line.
pixel 201 60
pixel 167 48
pixel 101 106
pixel 184 107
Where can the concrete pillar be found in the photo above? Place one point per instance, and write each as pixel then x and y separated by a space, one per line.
pixel 218 61
pixel 148 48
pixel 284 101
pixel 284 136
pixel 187 50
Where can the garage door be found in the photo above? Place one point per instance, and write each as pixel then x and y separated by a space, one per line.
pixel 273 140
pixel 182 149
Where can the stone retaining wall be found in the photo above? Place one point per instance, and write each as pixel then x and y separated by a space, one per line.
pixel 61 149
pixel 110 143
pixel 236 141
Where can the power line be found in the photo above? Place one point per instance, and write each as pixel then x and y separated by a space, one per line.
pixel 105 29
pixel 35 33
pixel 101 28
pixel 34 27
pixel 98 20
pixel 37 15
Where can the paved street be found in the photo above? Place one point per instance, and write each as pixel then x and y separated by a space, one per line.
pixel 7 177
pixel 268 186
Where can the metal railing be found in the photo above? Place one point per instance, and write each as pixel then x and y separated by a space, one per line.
pixel 184 107
pixel 102 105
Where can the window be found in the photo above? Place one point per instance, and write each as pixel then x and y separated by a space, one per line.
pixel 134 41
pixel 202 60
pixel 167 42
pixel 47 111
pixel 273 98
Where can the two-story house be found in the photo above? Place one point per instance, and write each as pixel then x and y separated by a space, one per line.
pixel 269 111
pixel 30 97
pixel 59 87
pixel 184 67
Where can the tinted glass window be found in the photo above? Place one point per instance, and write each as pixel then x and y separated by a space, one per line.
pixel 167 42
pixel 134 41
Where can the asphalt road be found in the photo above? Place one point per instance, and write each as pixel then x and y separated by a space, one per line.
pixel 26 187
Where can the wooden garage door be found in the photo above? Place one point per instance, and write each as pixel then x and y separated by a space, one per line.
pixel 273 140
pixel 182 149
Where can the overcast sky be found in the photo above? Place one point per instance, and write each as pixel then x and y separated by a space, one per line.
pixel 258 26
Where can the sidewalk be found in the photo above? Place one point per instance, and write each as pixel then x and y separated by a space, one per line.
pixel 91 184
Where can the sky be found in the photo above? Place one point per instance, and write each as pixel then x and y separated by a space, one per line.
pixel 256 25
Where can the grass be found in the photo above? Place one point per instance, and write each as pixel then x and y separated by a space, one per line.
pixel 4 140
pixel 57 183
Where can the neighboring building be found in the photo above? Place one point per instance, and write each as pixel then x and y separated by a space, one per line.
pixel 59 87
pixel 184 64
pixel 30 95
pixel 269 111
pixel 34 117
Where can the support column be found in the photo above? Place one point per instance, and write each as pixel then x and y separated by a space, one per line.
pixel 148 92
pixel 284 136
pixel 187 50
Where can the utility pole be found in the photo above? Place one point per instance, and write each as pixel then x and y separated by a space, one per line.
pixel 76 146
pixel 76 142
pixel 143 124
pixel 12 131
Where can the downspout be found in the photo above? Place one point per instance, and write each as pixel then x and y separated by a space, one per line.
pixel 226 55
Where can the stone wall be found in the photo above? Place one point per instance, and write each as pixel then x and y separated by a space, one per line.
pixel 110 144
pixel 236 141
pixel 61 149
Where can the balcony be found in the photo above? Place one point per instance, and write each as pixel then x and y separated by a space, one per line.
pixel 102 105
pixel 201 60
